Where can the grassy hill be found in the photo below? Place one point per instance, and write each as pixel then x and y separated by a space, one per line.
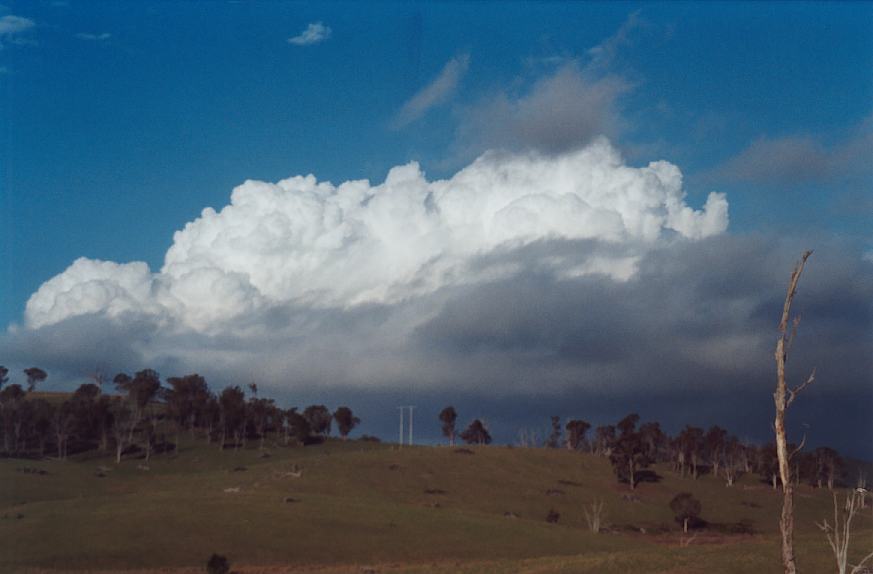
pixel 362 506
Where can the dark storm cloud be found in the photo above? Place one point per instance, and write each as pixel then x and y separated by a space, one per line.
pixel 77 347
pixel 700 312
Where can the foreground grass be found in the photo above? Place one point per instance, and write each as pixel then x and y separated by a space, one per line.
pixel 357 505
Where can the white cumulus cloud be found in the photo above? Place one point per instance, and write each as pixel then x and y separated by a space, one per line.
pixel 314 33
pixel 307 243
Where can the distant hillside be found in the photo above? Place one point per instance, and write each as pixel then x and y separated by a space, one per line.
pixel 340 507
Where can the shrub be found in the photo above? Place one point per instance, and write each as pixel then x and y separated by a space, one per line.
pixel 217 564
pixel 553 516
pixel 686 508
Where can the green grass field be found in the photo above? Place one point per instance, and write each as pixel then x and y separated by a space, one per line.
pixel 361 506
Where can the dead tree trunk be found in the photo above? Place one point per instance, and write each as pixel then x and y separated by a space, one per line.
pixel 783 397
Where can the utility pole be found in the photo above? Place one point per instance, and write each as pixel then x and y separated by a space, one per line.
pixel 400 435
pixel 400 441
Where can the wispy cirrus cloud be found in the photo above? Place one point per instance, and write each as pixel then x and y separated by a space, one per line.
pixel 603 54
pixel 16 30
pixel 438 91
pixel 91 37
pixel 314 33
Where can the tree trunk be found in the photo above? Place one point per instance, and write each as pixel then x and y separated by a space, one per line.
pixel 133 426
pixel 786 522
pixel 630 466
pixel 782 399
pixel 17 441
pixel 786 526
pixel 685 526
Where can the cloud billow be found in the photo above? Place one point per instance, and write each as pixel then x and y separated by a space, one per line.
pixel 313 244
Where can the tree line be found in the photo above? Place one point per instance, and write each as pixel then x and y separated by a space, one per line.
pixel 148 415
pixel 632 448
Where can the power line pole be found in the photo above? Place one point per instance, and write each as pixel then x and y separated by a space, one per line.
pixel 400 441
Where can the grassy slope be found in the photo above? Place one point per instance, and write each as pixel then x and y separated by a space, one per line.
pixel 354 509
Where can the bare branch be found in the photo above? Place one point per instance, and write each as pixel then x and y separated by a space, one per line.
pixel 792 289
pixel 792 394
pixel 799 447
pixel 859 567
pixel 686 541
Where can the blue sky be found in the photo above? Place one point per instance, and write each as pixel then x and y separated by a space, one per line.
pixel 113 144
pixel 122 121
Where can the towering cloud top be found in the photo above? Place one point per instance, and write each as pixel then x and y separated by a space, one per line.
pixel 307 242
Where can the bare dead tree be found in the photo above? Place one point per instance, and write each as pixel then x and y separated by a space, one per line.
pixel 840 533
pixel 783 398
pixel 99 377
pixel 528 438
pixel 685 541
pixel 594 515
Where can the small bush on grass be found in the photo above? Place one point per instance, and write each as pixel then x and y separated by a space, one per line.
pixel 217 564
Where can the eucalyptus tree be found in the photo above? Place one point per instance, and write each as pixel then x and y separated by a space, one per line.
pixel 476 433
pixel 448 417
pixel 576 430
pixel 34 375
pixel 345 421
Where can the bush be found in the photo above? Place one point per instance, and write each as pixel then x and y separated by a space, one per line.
pixel 217 564
pixel 686 508
pixel 553 516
